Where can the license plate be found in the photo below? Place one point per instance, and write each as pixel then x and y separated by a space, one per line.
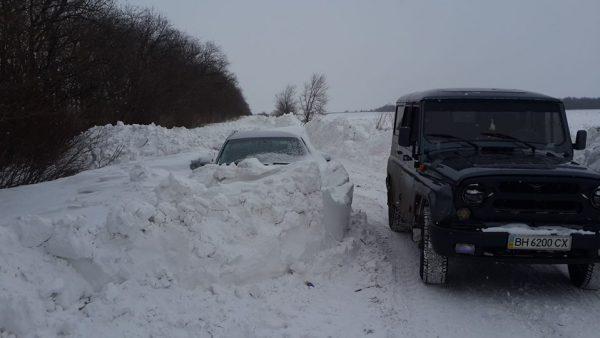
pixel 549 243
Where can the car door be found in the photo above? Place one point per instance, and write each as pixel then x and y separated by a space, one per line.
pixel 408 158
pixel 394 171
pixel 402 162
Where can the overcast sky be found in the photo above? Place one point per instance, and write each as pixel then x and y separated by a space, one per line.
pixel 374 51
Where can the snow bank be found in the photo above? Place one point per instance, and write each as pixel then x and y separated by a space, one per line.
pixel 104 245
pixel 135 142
pixel 351 139
pixel 591 155
pixel 583 119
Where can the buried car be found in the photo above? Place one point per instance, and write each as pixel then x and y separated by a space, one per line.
pixel 489 174
pixel 270 147
pixel 286 154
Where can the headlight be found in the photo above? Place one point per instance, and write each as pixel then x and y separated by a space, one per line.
pixel 473 194
pixel 595 199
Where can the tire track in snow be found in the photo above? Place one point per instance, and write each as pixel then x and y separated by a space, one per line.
pixel 369 197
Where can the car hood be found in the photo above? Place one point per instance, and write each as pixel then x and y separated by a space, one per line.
pixel 459 168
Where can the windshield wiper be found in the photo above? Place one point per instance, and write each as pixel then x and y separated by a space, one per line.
pixel 456 138
pixel 511 138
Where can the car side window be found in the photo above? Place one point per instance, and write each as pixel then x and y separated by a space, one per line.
pixel 406 117
pixel 414 124
pixel 398 118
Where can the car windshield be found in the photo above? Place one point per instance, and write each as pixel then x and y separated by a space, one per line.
pixel 268 150
pixel 519 123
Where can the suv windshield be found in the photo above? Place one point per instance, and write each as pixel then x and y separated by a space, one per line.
pixel 268 150
pixel 518 123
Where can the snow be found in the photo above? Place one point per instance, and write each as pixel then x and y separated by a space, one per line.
pixel 351 138
pixel 524 229
pixel 587 120
pixel 74 250
pixel 147 247
pixel 135 142
pixel 582 119
pixel 219 227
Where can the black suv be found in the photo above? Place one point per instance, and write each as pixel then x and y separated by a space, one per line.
pixel 489 174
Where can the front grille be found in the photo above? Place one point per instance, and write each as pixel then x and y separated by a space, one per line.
pixel 525 187
pixel 533 199
pixel 536 206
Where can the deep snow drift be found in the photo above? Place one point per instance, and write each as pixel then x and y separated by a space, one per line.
pixel 148 247
pixel 75 253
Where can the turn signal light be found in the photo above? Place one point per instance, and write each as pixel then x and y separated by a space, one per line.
pixel 463 214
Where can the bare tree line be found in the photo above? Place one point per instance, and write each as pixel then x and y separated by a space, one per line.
pixel 312 101
pixel 66 65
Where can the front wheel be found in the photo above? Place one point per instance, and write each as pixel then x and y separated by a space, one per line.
pixel 585 276
pixel 434 267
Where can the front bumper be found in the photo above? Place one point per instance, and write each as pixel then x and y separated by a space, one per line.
pixel 493 246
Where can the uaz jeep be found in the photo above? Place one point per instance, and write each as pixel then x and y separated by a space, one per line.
pixel 489 174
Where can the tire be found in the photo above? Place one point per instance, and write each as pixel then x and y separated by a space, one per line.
pixel 395 220
pixel 585 276
pixel 433 267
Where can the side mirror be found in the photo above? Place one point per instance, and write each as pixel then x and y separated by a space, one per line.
pixel 200 162
pixel 404 136
pixel 580 140
pixel 327 157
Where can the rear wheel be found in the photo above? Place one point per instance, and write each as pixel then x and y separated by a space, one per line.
pixel 585 276
pixel 434 267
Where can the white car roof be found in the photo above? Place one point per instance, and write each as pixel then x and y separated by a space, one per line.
pixel 260 134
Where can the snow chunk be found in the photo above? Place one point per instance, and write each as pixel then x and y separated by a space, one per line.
pixel 138 173
pixel 33 230
pixel 16 314
pixel 69 239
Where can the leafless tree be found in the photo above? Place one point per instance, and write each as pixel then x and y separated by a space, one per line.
pixel 285 101
pixel 313 98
